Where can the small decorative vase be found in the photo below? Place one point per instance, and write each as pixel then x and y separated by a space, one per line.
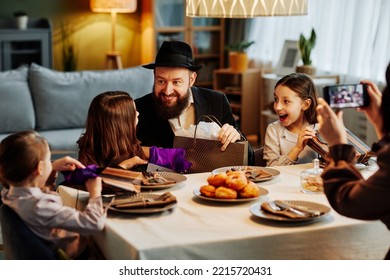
pixel 307 69
pixel 238 61
pixel 21 22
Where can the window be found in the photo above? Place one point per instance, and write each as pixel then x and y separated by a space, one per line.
pixel 353 37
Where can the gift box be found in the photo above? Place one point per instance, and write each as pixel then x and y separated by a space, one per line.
pixel 363 151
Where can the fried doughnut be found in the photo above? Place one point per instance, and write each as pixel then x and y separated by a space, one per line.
pixel 217 180
pixel 225 193
pixel 236 181
pixel 235 172
pixel 208 190
pixel 250 190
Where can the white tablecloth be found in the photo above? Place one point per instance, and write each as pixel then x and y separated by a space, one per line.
pixel 198 229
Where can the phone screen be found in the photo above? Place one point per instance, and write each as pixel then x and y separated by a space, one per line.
pixel 346 96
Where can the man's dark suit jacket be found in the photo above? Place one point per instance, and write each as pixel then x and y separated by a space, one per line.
pixel 154 131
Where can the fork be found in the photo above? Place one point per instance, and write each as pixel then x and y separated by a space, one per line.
pixel 280 206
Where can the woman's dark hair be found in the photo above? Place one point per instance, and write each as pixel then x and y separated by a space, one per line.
pixel 303 85
pixel 20 154
pixel 110 134
pixel 385 106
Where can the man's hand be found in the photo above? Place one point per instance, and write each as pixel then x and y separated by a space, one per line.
pixel 228 134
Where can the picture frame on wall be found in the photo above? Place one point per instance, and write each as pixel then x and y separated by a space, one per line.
pixel 288 59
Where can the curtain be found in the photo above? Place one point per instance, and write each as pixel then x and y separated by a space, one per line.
pixel 353 37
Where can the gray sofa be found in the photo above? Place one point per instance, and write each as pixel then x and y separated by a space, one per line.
pixel 56 103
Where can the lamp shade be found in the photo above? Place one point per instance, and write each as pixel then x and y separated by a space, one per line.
pixel 118 6
pixel 245 8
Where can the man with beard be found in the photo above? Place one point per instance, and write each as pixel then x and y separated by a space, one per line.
pixel 176 104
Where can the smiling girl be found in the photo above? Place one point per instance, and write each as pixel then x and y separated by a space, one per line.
pixel 295 101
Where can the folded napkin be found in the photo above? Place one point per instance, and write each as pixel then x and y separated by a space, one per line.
pixel 80 175
pixel 288 211
pixel 173 158
pixel 257 174
pixel 144 202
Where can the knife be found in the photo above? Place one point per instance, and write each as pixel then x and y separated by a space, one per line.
pixel 304 209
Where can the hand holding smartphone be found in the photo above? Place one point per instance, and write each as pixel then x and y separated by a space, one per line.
pixel 346 96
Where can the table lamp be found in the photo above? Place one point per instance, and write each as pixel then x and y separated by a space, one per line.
pixel 113 7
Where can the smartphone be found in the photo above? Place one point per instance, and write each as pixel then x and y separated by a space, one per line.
pixel 346 96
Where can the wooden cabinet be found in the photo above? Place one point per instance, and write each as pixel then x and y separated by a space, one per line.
pixel 168 21
pixel 18 47
pixel 242 90
pixel 267 113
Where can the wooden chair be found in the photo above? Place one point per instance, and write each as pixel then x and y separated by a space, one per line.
pixel 259 161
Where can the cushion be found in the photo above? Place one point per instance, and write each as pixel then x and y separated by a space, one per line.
pixel 62 99
pixel 62 139
pixel 16 107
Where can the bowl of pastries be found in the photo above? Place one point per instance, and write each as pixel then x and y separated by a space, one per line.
pixel 231 186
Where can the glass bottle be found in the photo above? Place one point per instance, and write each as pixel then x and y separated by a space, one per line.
pixel 311 181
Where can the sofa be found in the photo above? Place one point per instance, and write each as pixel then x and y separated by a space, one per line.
pixel 56 103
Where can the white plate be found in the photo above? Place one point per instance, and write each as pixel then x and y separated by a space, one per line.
pixel 232 200
pixel 178 178
pixel 272 171
pixel 256 210
pixel 148 210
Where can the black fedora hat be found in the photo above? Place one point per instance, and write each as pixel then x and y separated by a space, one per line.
pixel 174 54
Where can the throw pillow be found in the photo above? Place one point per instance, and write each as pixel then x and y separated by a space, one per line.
pixel 16 107
pixel 62 99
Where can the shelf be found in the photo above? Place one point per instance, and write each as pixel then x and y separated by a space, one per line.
pixel 18 47
pixel 168 21
pixel 242 91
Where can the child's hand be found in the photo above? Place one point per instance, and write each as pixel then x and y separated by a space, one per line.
pixel 303 136
pixel 66 164
pixel 94 187
pixel 132 162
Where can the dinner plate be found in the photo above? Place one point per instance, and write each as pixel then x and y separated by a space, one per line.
pixel 232 200
pixel 272 171
pixel 178 178
pixel 148 210
pixel 256 210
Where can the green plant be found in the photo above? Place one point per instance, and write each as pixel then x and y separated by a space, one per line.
pixel 69 56
pixel 306 45
pixel 239 46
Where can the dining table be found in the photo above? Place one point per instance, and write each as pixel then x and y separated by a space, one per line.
pixel 201 229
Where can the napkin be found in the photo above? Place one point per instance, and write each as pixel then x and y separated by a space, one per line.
pixel 172 158
pixel 80 175
pixel 145 202
pixel 257 174
pixel 270 207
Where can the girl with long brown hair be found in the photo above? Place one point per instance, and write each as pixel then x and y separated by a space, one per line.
pixel 295 101
pixel 110 135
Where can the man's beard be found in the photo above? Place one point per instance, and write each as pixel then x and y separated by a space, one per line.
pixel 174 111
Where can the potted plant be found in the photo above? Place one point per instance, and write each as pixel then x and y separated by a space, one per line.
pixel 306 45
pixel 21 19
pixel 69 55
pixel 238 59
